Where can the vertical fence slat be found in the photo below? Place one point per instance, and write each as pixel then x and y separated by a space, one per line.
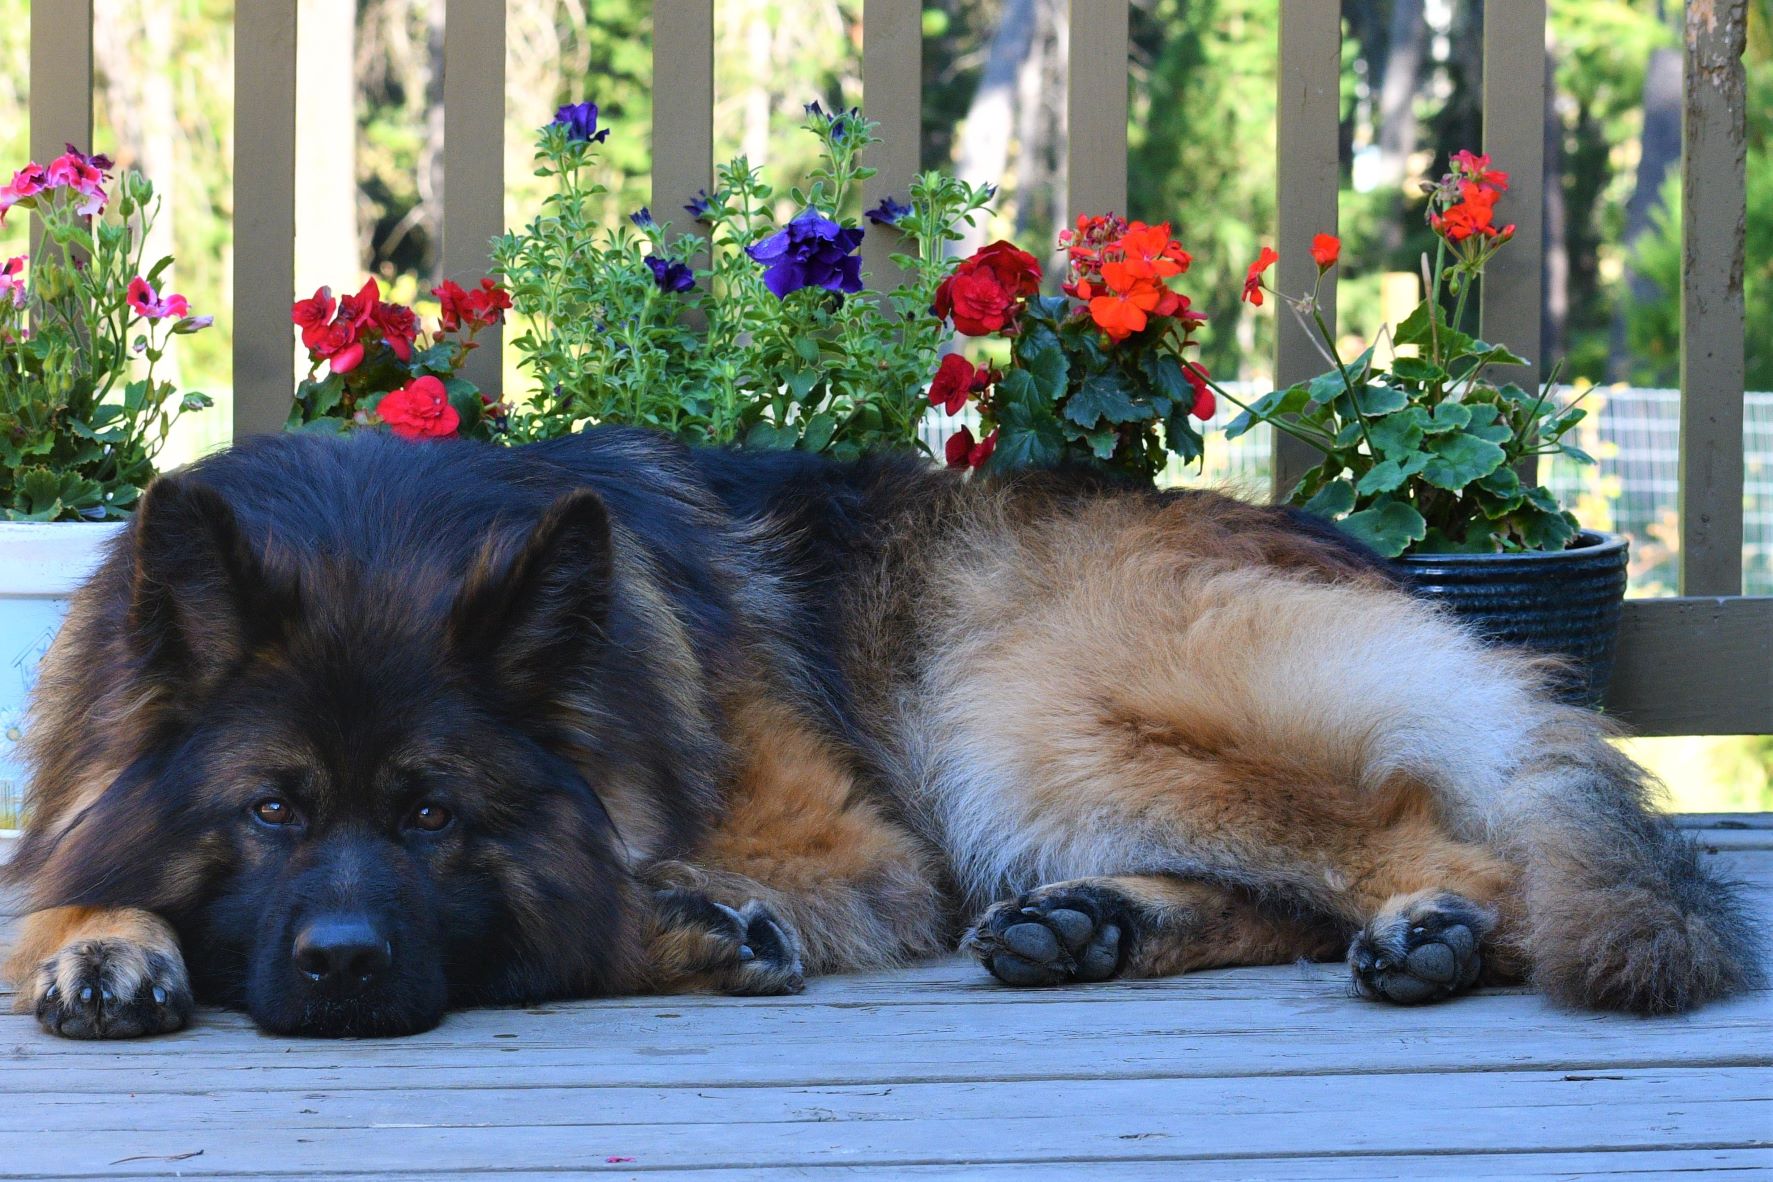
pixel 264 212
pixel 892 95
pixel 60 85
pixel 683 106
pixel 1712 337
pixel 474 158
pixel 1096 109
pixel 1514 136
pixel 1308 169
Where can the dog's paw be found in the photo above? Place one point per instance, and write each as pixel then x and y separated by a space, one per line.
pixel 1420 948
pixel 699 943
pixel 110 988
pixel 1053 935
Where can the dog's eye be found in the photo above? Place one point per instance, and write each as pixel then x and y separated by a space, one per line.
pixel 272 811
pixel 430 818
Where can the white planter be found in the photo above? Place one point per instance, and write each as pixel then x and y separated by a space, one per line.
pixel 41 565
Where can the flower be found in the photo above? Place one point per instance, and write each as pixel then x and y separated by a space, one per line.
pixel 642 217
pixel 956 379
pixel 484 305
pixel 1325 250
pixel 1253 279
pixel 1474 213
pixel 331 331
pixel 580 121
pixel 810 251
pixel 963 451
pixel 399 327
pixel 699 205
pixel 86 175
pixel 313 314
pixel 26 182
pixel 888 212
pixel 1204 402
pixel 670 275
pixel 1477 170
pixel 959 446
pixel 12 281
pixel 986 291
pixel 419 410
pixel 1121 269
pixel 149 303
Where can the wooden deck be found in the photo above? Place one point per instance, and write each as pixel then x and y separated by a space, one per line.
pixel 1259 1073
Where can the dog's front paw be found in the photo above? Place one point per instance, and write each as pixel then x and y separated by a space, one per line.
pixel 109 988
pixel 699 943
pixel 1059 933
pixel 1419 949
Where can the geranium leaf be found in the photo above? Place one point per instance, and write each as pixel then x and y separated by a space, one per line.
pixel 1388 527
pixel 1389 474
pixel 1106 395
pixel 1458 459
pixel 1332 500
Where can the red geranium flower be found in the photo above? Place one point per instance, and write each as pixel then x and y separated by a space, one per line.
pixel 485 304
pixel 1253 280
pixel 1204 402
pixel 987 290
pixel 419 410
pixel 1325 250
pixel 1477 170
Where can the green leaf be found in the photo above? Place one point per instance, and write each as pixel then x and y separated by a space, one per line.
pixel 1332 500
pixel 1028 433
pixel 1504 483
pixel 1485 423
pixel 1389 474
pixel 1458 459
pixel 1106 395
pixel 1271 405
pixel 1400 434
pixel 1417 369
pixel 819 430
pixel 1049 370
pixel 1448 416
pixel 1380 400
pixel 1388 527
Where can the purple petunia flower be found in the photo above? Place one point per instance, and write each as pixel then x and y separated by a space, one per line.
pixel 643 217
pixel 699 205
pixel 888 212
pixel 669 275
pixel 810 251
pixel 580 121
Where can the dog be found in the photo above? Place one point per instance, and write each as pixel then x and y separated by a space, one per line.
pixel 350 732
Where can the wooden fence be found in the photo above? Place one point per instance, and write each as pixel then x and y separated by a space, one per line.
pixel 1698 664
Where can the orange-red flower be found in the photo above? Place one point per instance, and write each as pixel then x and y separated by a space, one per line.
pixel 1477 169
pixel 1253 279
pixel 1325 250
pixel 1475 213
pixel 1124 278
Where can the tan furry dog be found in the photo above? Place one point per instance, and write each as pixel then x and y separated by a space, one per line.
pixel 347 733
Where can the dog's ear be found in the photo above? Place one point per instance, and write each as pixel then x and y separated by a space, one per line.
pixel 532 612
pixel 200 598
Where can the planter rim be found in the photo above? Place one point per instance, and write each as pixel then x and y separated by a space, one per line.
pixel 1591 543
pixel 51 559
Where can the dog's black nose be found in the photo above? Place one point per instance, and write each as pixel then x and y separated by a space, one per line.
pixel 343 951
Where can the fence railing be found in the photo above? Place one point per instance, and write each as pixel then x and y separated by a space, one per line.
pixel 1698 664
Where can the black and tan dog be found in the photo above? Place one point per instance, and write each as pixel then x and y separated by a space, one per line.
pixel 349 733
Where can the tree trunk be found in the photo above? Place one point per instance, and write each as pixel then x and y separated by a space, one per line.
pixel 1407 49
pixel 1661 152
pixel 1555 315
pixel 983 154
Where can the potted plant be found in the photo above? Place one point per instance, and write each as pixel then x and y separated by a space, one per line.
pixel 1421 450
pixel 765 332
pixel 1097 376
pixel 83 413
pixel 381 371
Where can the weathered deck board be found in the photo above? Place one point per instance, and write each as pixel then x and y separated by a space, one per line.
pixel 933 1072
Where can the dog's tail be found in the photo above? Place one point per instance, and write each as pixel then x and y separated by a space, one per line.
pixel 1621 911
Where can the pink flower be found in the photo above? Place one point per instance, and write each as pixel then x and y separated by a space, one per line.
pixel 149 303
pixel 12 281
pixel 84 174
pixel 26 182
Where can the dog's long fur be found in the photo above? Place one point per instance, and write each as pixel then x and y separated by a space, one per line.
pixel 719 720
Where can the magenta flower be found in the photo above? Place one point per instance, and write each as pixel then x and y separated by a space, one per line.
pixel 149 303
pixel 26 182
pixel 84 174
pixel 12 281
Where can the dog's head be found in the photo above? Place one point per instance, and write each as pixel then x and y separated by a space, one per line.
pixel 363 791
